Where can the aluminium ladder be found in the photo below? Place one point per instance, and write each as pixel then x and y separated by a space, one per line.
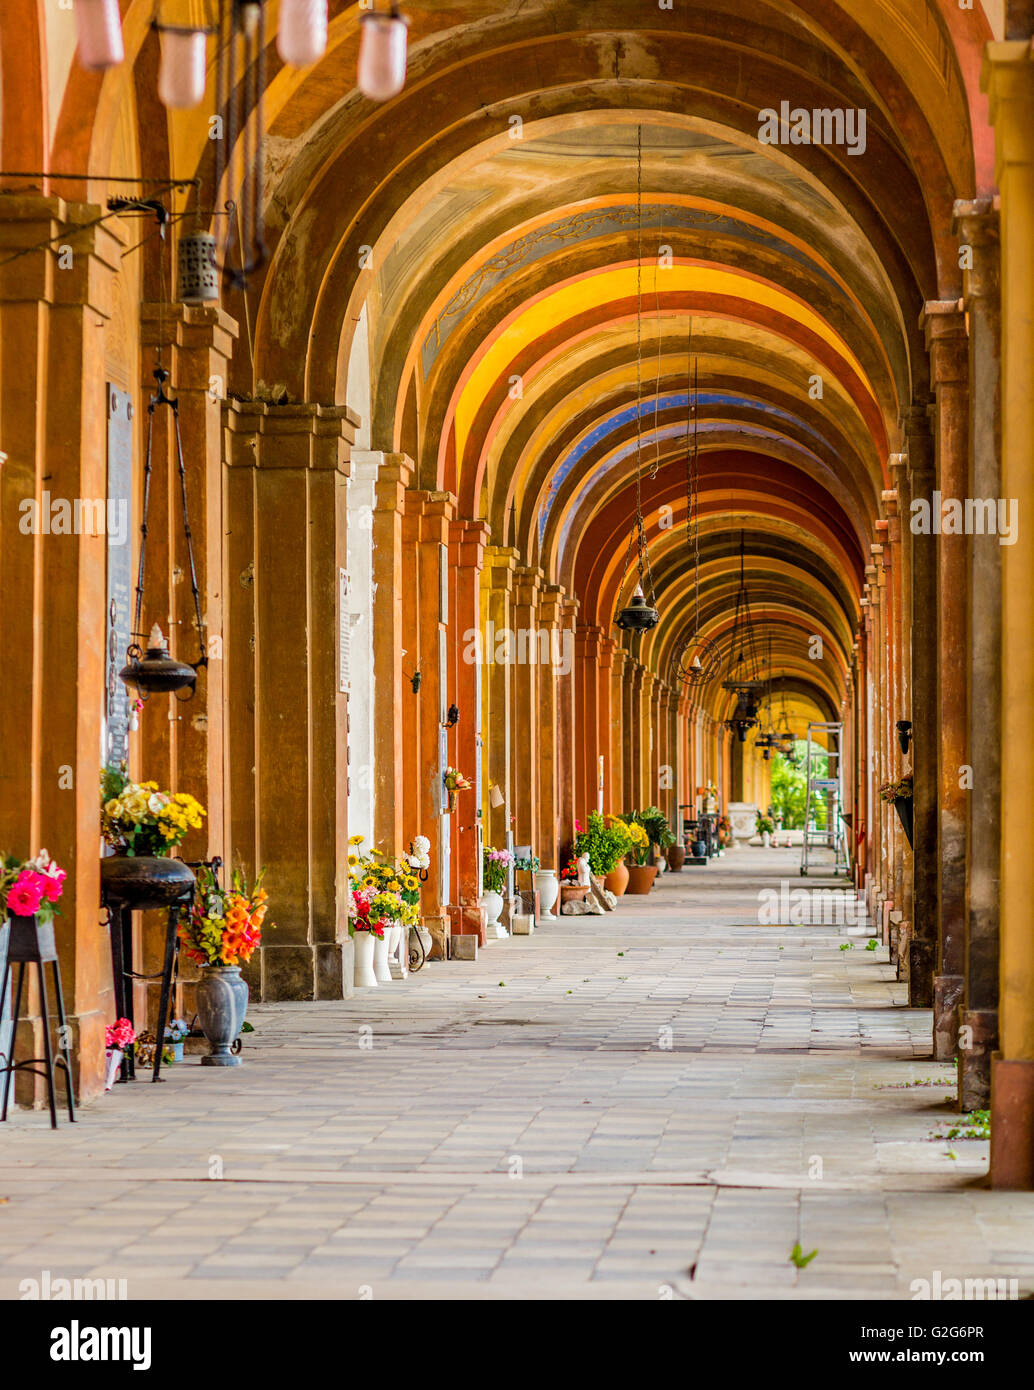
pixel 825 794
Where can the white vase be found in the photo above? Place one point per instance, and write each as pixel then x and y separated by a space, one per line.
pixel 363 942
pixel 114 1056
pixel 548 887
pixel 766 839
pixel 381 969
pixel 492 902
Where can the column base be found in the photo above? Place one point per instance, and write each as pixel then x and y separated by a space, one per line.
pixel 975 1052
pixel 1012 1124
pixel 438 926
pixel 307 973
pixel 947 996
pixel 903 958
pixel 470 921
pixel 922 962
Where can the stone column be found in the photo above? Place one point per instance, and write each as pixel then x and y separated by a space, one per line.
pixel 286 524
pixel 587 646
pixel 977 227
pixel 524 750
pixel 551 621
pixel 945 328
pixel 566 726
pixel 638 734
pixel 1009 80
pixel 903 710
pixel 924 943
pixel 496 591
pixel 618 732
pixel 605 738
pixel 53 438
pixel 392 692
pixel 467 540
pixel 425 615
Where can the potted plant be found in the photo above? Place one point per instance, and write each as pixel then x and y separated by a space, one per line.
pixel 175 1035
pixel 364 931
pixel 572 890
pixel 899 795
pixel 495 865
pixel 119 1037
pixel 766 829
pixel 394 900
pixel 221 930
pixel 641 873
pixel 454 782
pixel 143 826
pixel 606 842
pixel 724 830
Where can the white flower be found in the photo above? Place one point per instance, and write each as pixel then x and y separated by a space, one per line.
pixel 421 844
pixel 157 803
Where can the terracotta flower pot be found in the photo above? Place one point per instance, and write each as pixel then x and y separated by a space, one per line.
pixel 617 880
pixel 641 877
pixel 573 892
pixel 676 857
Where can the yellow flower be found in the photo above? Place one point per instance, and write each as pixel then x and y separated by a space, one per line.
pixel 356 839
pixel 353 860
pixel 114 808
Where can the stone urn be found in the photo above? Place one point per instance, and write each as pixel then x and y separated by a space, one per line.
pixel 492 902
pixel 381 968
pixel 676 857
pixel 222 1002
pixel 548 889
pixel 641 877
pixel 617 880
pixel 363 943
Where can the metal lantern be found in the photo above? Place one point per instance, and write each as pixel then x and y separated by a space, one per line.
pixel 198 271
pixel 155 672
pixel 638 616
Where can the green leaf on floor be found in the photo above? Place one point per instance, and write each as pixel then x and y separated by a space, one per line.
pixel 798 1258
pixel 847 945
pixel 871 944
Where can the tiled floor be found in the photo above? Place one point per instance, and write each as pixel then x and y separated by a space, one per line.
pixel 661 1102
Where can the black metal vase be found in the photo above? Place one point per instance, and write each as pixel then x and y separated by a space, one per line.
pixel 903 806
pixel 145 881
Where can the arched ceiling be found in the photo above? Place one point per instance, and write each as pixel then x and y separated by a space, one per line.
pixel 531 336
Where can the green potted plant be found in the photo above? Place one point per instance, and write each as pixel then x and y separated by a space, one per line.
pixel 641 873
pixel 899 795
pixel 766 829
pixel 606 842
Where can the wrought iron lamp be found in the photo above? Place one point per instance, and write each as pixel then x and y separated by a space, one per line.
pixel 154 671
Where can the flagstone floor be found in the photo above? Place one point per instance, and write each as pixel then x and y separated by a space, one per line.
pixel 659 1103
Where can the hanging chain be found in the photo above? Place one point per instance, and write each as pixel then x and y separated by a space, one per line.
pixel 637 537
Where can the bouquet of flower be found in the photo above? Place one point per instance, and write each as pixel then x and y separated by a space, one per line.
pixel 361 917
pixel 494 864
pixel 419 856
pixel 30 887
pixel 895 791
pixel 766 825
pixel 639 839
pixel 454 782
pixel 120 1035
pixel 569 873
pixel 223 926
pixel 139 819
pixel 394 889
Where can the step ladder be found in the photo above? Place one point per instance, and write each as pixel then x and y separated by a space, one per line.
pixel 825 801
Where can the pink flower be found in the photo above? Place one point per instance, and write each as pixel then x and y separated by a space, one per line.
pixel 53 883
pixel 119 1034
pixel 23 898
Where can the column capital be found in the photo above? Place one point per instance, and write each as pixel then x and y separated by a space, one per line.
pixel 569 608
pixel 467 540
pixel 192 328
pixel 589 640
pixel 527 582
pixel 302 431
pixel 27 221
pixel 551 605
pixel 943 322
pixel 1008 79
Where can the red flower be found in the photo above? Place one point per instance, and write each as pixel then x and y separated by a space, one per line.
pixel 25 894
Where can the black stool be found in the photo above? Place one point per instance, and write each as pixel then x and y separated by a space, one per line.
pixel 32 942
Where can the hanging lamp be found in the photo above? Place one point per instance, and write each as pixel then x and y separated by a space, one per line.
pixel 153 670
pixel 744 672
pixel 382 53
pixel 700 658
pixel 641 614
